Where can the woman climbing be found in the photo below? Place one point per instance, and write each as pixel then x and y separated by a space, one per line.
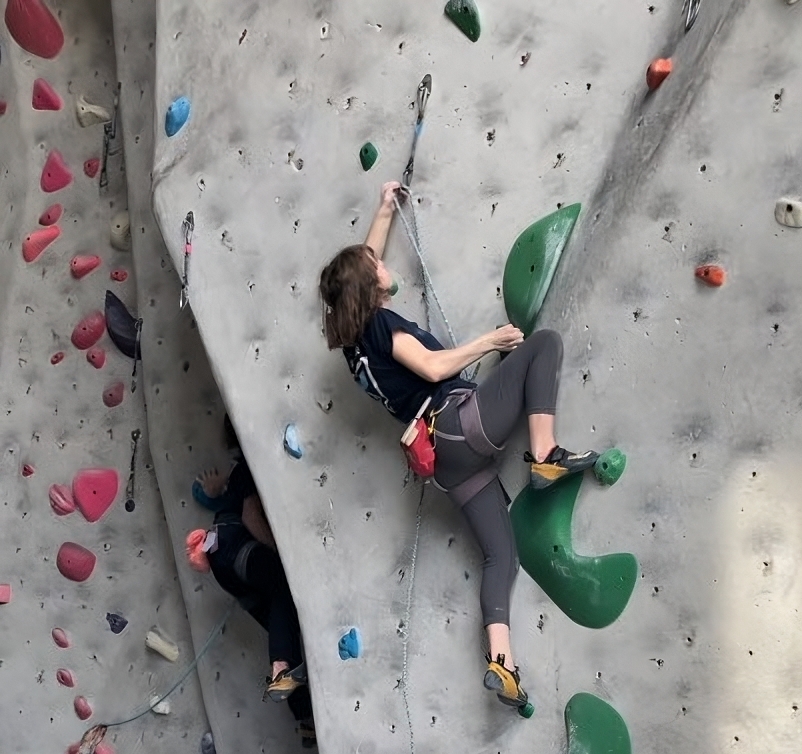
pixel 243 557
pixel 403 366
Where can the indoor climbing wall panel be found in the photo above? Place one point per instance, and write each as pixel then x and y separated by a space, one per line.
pixel 87 569
pixel 185 414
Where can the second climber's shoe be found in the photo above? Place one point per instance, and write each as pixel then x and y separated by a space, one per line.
pixel 283 685
pixel 506 683
pixel 308 736
pixel 558 464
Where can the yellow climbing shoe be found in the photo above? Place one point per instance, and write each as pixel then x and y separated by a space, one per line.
pixel 506 683
pixel 283 685
pixel 559 463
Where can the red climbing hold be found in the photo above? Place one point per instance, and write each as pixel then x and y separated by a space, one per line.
pixel 55 174
pixel 91 166
pixel 3 107
pixel 96 357
pixel 102 748
pixel 35 243
pixel 712 274
pixel 82 264
pixel 113 394
pixel 658 72
pixel 74 562
pixel 82 708
pixel 94 491
pixel 27 470
pixel 119 276
pixel 34 27
pixel 5 594
pixel 51 215
pixel 45 97
pixel 60 638
pixel 65 678
pixel 61 500
pixel 57 357
pixel 88 331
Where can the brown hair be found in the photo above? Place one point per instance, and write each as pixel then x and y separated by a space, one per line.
pixel 349 287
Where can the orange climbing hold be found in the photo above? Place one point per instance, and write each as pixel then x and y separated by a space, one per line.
pixel 51 215
pixel 91 166
pixel 712 274
pixel 88 331
pixel 55 174
pixel 96 357
pixel 45 97
pixel 82 264
pixel 34 27
pixel 35 243
pixel 113 394
pixel 658 72
pixel 74 562
pixel 5 594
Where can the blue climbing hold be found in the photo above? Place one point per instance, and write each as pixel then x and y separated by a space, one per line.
pixel 350 645
pixel 291 443
pixel 177 116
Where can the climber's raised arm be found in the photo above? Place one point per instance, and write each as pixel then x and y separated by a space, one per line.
pixel 380 227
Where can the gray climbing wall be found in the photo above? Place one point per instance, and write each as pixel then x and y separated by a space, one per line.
pixel 54 423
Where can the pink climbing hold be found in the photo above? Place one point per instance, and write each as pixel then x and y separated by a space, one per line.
pixel 96 357
pixel 113 394
pixel 74 562
pixel 102 748
pixel 60 638
pixel 89 330
pixel 34 27
pixel 27 470
pixel 82 264
pixel 94 491
pixel 57 358
pixel 5 594
pixel 82 708
pixel 65 677
pixel 119 276
pixel 61 500
pixel 51 215
pixel 35 243
pixel 45 97
pixel 3 106
pixel 55 174
pixel 91 166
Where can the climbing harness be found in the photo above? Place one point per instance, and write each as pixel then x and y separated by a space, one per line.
pixel 109 134
pixel 129 489
pixel 92 738
pixel 690 9
pixel 188 226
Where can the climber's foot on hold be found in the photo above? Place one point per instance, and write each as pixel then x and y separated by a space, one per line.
pixel 557 464
pixel 507 685
pixel 308 736
pixel 285 682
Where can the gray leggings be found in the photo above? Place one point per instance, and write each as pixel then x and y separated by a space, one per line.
pixel 526 382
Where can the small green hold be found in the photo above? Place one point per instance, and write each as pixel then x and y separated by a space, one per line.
pixel 610 466
pixel 465 16
pixel 527 710
pixel 368 156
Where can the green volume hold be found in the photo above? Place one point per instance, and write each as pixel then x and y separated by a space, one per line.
pixel 594 727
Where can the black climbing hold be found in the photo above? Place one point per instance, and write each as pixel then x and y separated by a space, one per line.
pixel 117 623
pixel 465 16
pixel 122 326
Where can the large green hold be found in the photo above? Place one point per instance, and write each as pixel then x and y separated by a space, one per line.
pixel 591 591
pixel 465 15
pixel 594 727
pixel 531 265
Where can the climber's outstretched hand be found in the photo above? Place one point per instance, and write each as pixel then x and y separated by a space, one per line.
pixel 505 338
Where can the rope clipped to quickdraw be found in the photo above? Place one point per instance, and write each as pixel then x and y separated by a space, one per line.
pixel 92 738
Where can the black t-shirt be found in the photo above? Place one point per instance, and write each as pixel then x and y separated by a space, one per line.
pixel 240 485
pixel 400 390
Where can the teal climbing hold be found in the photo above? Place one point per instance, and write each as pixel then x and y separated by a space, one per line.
pixel 527 710
pixel 177 115
pixel 350 645
pixel 591 591
pixel 532 263
pixel 610 466
pixel 594 727
pixel 368 156
pixel 465 16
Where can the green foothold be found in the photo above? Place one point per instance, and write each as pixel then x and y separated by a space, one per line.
pixel 465 16
pixel 594 727
pixel 527 710
pixel 532 263
pixel 368 156
pixel 610 466
pixel 591 591
pixel 393 288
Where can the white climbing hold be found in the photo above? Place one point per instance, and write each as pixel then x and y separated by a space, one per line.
pixel 159 707
pixel 791 2
pixel 121 231
pixel 89 114
pixel 788 212
pixel 158 643
pixel 325 30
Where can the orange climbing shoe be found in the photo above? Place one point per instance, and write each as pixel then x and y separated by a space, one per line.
pixel 282 686
pixel 559 463
pixel 506 683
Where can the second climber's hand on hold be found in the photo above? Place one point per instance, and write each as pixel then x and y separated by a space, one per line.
pixel 505 338
pixel 390 190
pixel 212 481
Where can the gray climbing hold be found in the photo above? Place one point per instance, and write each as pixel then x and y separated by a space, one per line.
pixel 177 115
pixel 207 744
pixel 89 114
pixel 117 623
pixel 788 212
pixel 121 231
pixel 291 443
